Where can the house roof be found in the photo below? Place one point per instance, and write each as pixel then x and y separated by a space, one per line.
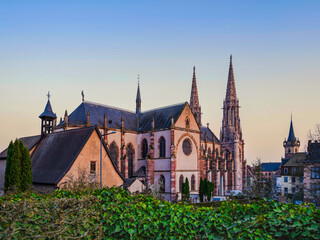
pixel 210 135
pixel 162 117
pixel 296 160
pixel 30 142
pixel 270 167
pixel 56 153
pixel 130 181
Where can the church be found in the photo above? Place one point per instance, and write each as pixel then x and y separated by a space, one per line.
pixel 160 147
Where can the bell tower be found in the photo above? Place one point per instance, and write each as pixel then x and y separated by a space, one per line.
pixel 48 119
pixel 291 144
pixel 232 143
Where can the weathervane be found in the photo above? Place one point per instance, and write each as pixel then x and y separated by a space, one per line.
pixel 82 94
pixel 48 95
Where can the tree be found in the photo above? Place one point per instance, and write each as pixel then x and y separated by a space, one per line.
pixel 18 167
pixel 210 188
pixel 187 190
pixel 26 174
pixel 7 178
pixel 201 192
pixel 259 187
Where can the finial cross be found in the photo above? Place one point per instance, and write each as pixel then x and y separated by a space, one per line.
pixel 48 95
pixel 82 94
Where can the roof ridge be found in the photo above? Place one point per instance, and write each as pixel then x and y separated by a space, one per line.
pixel 158 108
pixel 105 105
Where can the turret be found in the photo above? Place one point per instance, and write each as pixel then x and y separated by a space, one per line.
pixel 138 99
pixel 47 118
pixel 291 144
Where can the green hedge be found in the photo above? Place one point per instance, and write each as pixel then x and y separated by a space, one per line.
pixel 114 214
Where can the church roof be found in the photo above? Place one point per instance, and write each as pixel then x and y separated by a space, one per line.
pixel 56 153
pixel 162 117
pixel 48 113
pixel 210 135
pixel 97 111
pixel 29 142
pixel 269 167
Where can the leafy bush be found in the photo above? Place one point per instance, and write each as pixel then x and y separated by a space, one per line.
pixel 114 214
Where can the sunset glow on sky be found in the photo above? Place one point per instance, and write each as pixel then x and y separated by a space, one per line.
pixel 100 47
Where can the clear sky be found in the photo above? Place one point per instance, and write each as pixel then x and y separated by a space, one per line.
pixel 101 46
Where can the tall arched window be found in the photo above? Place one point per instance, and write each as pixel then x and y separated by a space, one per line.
pixel 180 182
pixel 130 159
pixel 193 183
pixel 144 148
pixel 162 150
pixel 114 154
pixel 162 183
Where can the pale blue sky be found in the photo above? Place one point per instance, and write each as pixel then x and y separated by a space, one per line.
pixel 100 46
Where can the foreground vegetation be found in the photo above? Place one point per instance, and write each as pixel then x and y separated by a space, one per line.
pixel 114 214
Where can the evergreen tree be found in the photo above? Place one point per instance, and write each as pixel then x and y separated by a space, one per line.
pixel 18 175
pixel 15 166
pixel 205 188
pixel 7 176
pixel 26 174
pixel 201 192
pixel 187 190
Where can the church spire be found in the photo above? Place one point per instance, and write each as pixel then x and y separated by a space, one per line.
pixel 231 87
pixel 138 99
pixel 291 137
pixel 194 99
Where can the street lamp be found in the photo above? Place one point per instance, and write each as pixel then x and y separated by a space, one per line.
pixel 101 156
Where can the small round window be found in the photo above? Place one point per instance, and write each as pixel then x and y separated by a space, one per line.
pixel 186 146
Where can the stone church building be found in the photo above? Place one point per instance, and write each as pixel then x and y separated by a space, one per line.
pixel 164 146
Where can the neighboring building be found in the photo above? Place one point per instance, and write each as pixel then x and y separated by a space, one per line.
pixel 58 158
pixel 269 170
pixel 134 185
pixel 166 145
pixel 312 173
pixel 292 176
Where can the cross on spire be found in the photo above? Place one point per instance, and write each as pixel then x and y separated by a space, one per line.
pixel 82 94
pixel 48 95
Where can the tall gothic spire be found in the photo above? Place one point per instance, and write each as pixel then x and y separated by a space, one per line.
pixel 231 87
pixel 138 99
pixel 194 99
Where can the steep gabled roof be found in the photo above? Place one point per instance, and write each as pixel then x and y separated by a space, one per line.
pixel 270 167
pixel 210 135
pixel 56 153
pixel 162 117
pixel 30 142
pixel 97 112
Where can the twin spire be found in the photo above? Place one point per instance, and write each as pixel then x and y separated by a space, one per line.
pixel 194 99
pixel 231 86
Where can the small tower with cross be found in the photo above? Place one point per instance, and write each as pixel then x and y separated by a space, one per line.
pixel 48 118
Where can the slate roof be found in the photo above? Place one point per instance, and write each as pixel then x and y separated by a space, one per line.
pixel 296 160
pixel 48 113
pixel 210 135
pixel 291 137
pixel 30 142
pixel 162 117
pixel 56 153
pixel 97 111
pixel 270 167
